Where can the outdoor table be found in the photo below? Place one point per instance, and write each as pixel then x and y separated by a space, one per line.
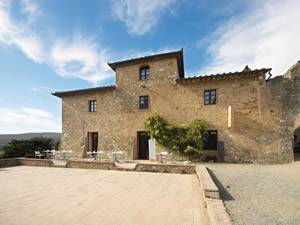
pixel 88 154
pixel 53 153
pixel 64 153
pixel 47 153
pixel 162 154
pixel 116 153
pixel 95 153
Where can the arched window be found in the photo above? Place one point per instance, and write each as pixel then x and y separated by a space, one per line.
pixel 144 73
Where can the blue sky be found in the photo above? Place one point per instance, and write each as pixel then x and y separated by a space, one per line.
pixel 49 45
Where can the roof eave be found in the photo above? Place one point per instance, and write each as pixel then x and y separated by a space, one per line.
pixel 179 53
pixel 56 94
pixel 61 94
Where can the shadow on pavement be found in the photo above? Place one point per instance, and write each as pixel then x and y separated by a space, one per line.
pixel 225 195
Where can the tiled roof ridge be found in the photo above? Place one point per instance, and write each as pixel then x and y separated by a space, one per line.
pixel 228 74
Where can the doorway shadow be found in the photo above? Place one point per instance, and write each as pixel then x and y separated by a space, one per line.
pixel 296 156
pixel 224 194
pixel 296 144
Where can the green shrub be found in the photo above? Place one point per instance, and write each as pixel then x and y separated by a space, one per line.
pixel 20 148
pixel 185 140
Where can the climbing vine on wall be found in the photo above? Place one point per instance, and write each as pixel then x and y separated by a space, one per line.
pixel 185 140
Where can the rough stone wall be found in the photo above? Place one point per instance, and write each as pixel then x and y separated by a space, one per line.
pixel 291 105
pixel 291 93
pixel 258 132
pixel 78 121
pixel 281 108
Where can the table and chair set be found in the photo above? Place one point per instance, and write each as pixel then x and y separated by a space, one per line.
pixel 115 155
pixel 95 155
pixel 52 154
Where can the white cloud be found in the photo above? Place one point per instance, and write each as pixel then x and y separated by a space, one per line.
pixel 80 58
pixel 140 16
pixel 266 36
pixel 38 88
pixel 21 120
pixel 20 35
pixel 29 7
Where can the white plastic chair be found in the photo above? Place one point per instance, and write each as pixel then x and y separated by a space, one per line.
pixel 38 154
pixel 89 154
pixel 162 155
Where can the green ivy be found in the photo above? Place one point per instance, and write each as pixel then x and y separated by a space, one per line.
pixel 185 140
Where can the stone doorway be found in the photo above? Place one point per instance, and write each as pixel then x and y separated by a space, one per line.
pixel 93 141
pixel 143 145
pixel 296 144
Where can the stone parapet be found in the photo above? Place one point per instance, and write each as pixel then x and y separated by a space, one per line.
pixel 165 168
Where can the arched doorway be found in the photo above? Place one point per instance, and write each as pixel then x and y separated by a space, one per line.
pixel 296 143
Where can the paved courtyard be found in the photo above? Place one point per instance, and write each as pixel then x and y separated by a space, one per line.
pixel 260 194
pixel 40 195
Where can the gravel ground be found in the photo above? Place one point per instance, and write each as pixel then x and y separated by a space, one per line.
pixel 260 194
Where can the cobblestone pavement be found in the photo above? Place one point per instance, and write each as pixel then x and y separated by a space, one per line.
pixel 260 194
pixel 60 196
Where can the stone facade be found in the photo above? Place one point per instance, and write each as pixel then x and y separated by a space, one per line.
pixel 264 112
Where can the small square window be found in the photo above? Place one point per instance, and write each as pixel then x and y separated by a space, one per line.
pixel 210 97
pixel 145 73
pixel 93 106
pixel 144 102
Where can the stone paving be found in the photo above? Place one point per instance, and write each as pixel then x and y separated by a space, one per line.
pixel 260 194
pixel 42 195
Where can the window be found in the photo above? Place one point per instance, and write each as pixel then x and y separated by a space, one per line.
pixel 211 140
pixel 145 73
pixel 210 97
pixel 144 102
pixel 92 106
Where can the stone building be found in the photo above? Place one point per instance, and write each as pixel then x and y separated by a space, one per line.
pixel 251 116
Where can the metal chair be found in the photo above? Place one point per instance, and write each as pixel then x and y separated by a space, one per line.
pixel 89 154
pixel 116 153
pixel 38 154
pixel 162 156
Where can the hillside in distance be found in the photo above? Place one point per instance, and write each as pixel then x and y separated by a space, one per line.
pixel 5 138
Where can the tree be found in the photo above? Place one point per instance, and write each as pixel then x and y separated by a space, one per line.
pixel 20 148
pixel 185 140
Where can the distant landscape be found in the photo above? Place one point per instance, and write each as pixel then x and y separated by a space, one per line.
pixel 5 138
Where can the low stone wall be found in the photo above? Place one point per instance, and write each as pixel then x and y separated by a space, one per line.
pixel 73 163
pixel 25 162
pixel 90 165
pixel 34 162
pixel 165 168
pixel 8 162
pixel 208 185
pixel 216 210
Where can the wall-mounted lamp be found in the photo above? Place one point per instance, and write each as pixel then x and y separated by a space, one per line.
pixel 229 116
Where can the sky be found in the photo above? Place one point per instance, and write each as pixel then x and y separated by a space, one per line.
pixel 55 45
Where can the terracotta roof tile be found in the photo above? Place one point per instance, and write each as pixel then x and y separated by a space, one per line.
pixel 244 73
